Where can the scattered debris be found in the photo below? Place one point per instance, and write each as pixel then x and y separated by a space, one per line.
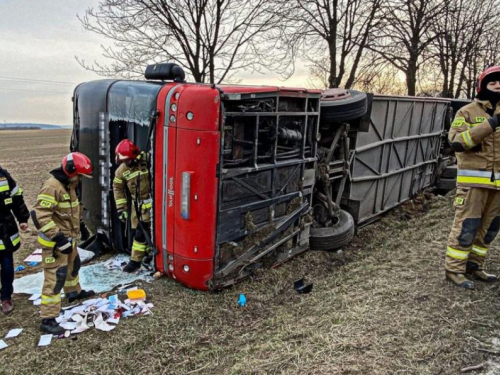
pixel 13 333
pixel 3 345
pixel 104 313
pixel 32 264
pixel 35 256
pixel 301 287
pixel 45 340
pixel 19 268
pixel 242 300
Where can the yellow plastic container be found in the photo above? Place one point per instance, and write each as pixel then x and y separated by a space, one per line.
pixel 137 294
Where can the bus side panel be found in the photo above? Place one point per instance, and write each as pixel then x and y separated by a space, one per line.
pixel 199 108
pixel 195 229
pixel 164 164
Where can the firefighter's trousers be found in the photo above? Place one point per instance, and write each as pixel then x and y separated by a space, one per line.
pixel 476 224
pixel 60 271
pixel 139 245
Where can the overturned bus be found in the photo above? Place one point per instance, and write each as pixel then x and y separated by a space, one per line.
pixel 244 177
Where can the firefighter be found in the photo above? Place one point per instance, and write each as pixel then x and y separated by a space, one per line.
pixel 11 205
pixel 57 217
pixel 132 175
pixel 473 136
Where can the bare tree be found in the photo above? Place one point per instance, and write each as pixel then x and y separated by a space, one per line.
pixel 460 29
pixel 406 34
pixel 211 39
pixel 330 35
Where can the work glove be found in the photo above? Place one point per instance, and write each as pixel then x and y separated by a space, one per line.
pixel 494 121
pixel 63 243
pixel 123 215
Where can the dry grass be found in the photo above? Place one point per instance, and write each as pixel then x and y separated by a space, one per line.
pixel 382 307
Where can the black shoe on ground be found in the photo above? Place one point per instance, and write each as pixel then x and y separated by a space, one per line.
pixel 51 326
pixel 132 266
pixel 82 295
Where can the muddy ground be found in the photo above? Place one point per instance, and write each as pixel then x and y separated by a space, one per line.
pixel 380 307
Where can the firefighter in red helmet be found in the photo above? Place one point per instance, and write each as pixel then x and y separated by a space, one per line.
pixel 57 217
pixel 473 136
pixel 133 175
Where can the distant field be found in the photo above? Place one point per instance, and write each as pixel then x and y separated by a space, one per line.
pixel 29 155
pixel 380 307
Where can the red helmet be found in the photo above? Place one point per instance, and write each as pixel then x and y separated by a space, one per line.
pixel 126 149
pixel 484 74
pixel 76 163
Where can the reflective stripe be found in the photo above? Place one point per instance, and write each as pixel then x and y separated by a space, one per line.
pixel 51 224
pixel 139 247
pixel 48 300
pixel 4 186
pixel 470 172
pixel 14 239
pixel 457 254
pixel 478 181
pixel 135 174
pixel 481 251
pixel 45 242
pixel 131 175
pixel 467 139
pixel 147 203
pixel 72 282
pixel 121 201
pixel 118 180
pixel 16 191
pixel 48 198
pixel 68 204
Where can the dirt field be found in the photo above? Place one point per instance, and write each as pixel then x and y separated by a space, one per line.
pixel 381 307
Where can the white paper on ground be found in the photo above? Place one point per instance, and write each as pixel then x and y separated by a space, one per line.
pixel 60 318
pixel 85 255
pixel 37 302
pixel 45 340
pixel 113 320
pixel 70 307
pixel 14 333
pixel 80 326
pixel 101 325
pixel 35 296
pixel 69 326
pixel 3 345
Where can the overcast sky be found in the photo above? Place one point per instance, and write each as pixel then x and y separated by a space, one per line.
pixel 39 40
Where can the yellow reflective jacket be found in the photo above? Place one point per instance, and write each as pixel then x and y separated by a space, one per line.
pixel 135 178
pixel 57 209
pixel 479 163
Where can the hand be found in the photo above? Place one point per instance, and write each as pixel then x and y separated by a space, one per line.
pixel 494 121
pixel 63 243
pixel 123 216
pixel 24 226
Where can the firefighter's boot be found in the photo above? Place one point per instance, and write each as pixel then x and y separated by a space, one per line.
pixel 460 280
pixel 82 295
pixel 479 274
pixel 132 266
pixel 484 276
pixel 50 325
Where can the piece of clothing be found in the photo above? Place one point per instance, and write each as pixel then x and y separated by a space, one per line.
pixel 135 179
pixel 6 275
pixel 476 224
pixel 140 246
pixel 60 272
pixel 12 207
pixel 476 145
pixel 57 209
